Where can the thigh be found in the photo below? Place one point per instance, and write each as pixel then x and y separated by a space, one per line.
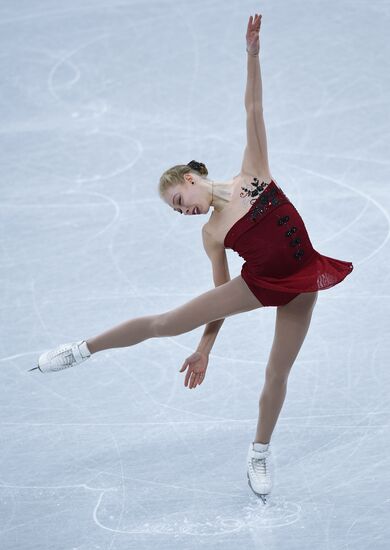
pixel 301 305
pixel 291 326
pixel 223 301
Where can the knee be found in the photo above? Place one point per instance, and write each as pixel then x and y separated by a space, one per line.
pixel 158 325
pixel 161 326
pixel 277 377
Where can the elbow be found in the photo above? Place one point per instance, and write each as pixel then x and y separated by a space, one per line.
pixel 221 275
pixel 221 281
pixel 254 107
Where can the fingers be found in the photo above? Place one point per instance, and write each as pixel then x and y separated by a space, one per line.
pixel 188 375
pixel 194 379
pixel 185 365
pixel 254 22
pixel 191 378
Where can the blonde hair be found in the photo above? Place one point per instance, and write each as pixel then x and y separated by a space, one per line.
pixel 174 175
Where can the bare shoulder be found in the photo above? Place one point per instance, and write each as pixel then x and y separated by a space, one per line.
pixel 214 231
pixel 213 247
pixel 210 228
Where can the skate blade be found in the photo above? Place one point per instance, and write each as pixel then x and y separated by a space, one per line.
pixel 35 368
pixel 259 495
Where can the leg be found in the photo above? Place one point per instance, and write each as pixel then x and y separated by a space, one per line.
pixel 223 301
pixel 292 324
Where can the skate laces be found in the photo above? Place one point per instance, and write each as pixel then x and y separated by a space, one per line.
pixel 65 355
pixel 260 466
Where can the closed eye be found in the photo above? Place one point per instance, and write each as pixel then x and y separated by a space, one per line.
pixel 179 203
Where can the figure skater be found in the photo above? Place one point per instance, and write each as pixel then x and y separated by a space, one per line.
pixel 252 216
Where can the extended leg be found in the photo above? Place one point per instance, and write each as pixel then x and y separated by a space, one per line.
pixel 223 301
pixel 292 324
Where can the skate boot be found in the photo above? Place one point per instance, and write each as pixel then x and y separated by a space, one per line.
pixel 259 469
pixel 66 355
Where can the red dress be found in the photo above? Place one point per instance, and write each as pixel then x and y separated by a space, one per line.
pixel 280 261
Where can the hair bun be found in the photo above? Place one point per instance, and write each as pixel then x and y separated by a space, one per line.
pixel 199 167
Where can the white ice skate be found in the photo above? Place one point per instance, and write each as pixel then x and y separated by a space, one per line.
pixel 259 471
pixel 66 355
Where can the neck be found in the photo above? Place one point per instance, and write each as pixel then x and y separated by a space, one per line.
pixel 221 193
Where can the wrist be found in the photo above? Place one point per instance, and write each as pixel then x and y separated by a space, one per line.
pixel 203 349
pixel 252 54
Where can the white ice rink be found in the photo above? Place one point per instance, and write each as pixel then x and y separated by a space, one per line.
pixel 98 98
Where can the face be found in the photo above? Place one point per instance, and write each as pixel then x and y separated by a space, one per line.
pixel 189 199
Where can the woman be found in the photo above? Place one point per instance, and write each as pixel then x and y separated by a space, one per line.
pixel 282 269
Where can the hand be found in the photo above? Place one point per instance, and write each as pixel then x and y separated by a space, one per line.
pixel 252 35
pixel 197 366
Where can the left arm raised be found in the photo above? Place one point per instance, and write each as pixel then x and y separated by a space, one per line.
pixel 255 161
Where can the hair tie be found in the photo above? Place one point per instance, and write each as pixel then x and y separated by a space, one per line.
pixel 198 166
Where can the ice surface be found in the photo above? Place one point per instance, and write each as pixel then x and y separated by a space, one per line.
pixel 97 100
